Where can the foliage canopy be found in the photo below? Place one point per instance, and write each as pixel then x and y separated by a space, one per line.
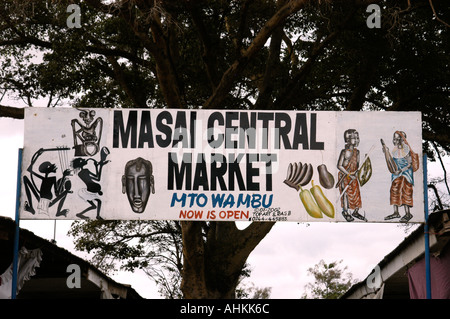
pixel 330 280
pixel 240 54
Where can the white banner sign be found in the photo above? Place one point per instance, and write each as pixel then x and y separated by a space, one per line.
pixel 222 165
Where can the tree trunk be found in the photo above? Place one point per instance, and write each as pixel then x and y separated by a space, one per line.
pixel 214 256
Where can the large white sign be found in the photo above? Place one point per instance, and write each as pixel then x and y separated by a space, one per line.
pixel 222 165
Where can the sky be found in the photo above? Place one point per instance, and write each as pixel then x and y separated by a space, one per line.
pixel 280 261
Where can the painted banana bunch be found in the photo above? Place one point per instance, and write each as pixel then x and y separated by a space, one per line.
pixel 322 201
pixel 314 200
pixel 316 203
pixel 298 174
pixel 310 204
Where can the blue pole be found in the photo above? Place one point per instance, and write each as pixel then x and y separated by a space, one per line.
pixel 16 233
pixel 427 235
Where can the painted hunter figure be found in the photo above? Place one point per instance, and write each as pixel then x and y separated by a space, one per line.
pixel 92 193
pixel 49 190
pixel 401 164
pixel 348 165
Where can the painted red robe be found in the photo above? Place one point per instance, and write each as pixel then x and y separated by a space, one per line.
pixel 353 192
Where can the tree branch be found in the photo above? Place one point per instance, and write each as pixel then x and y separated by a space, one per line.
pixel 254 233
pixel 290 90
pixel 264 98
pixel 209 57
pixel 158 47
pixel 364 81
pixel 436 16
pixel 438 153
pixel 12 112
pixel 258 42
pixel 442 139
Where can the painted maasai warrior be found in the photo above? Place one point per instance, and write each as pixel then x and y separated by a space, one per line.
pixel 348 164
pixel 93 191
pixel 402 179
